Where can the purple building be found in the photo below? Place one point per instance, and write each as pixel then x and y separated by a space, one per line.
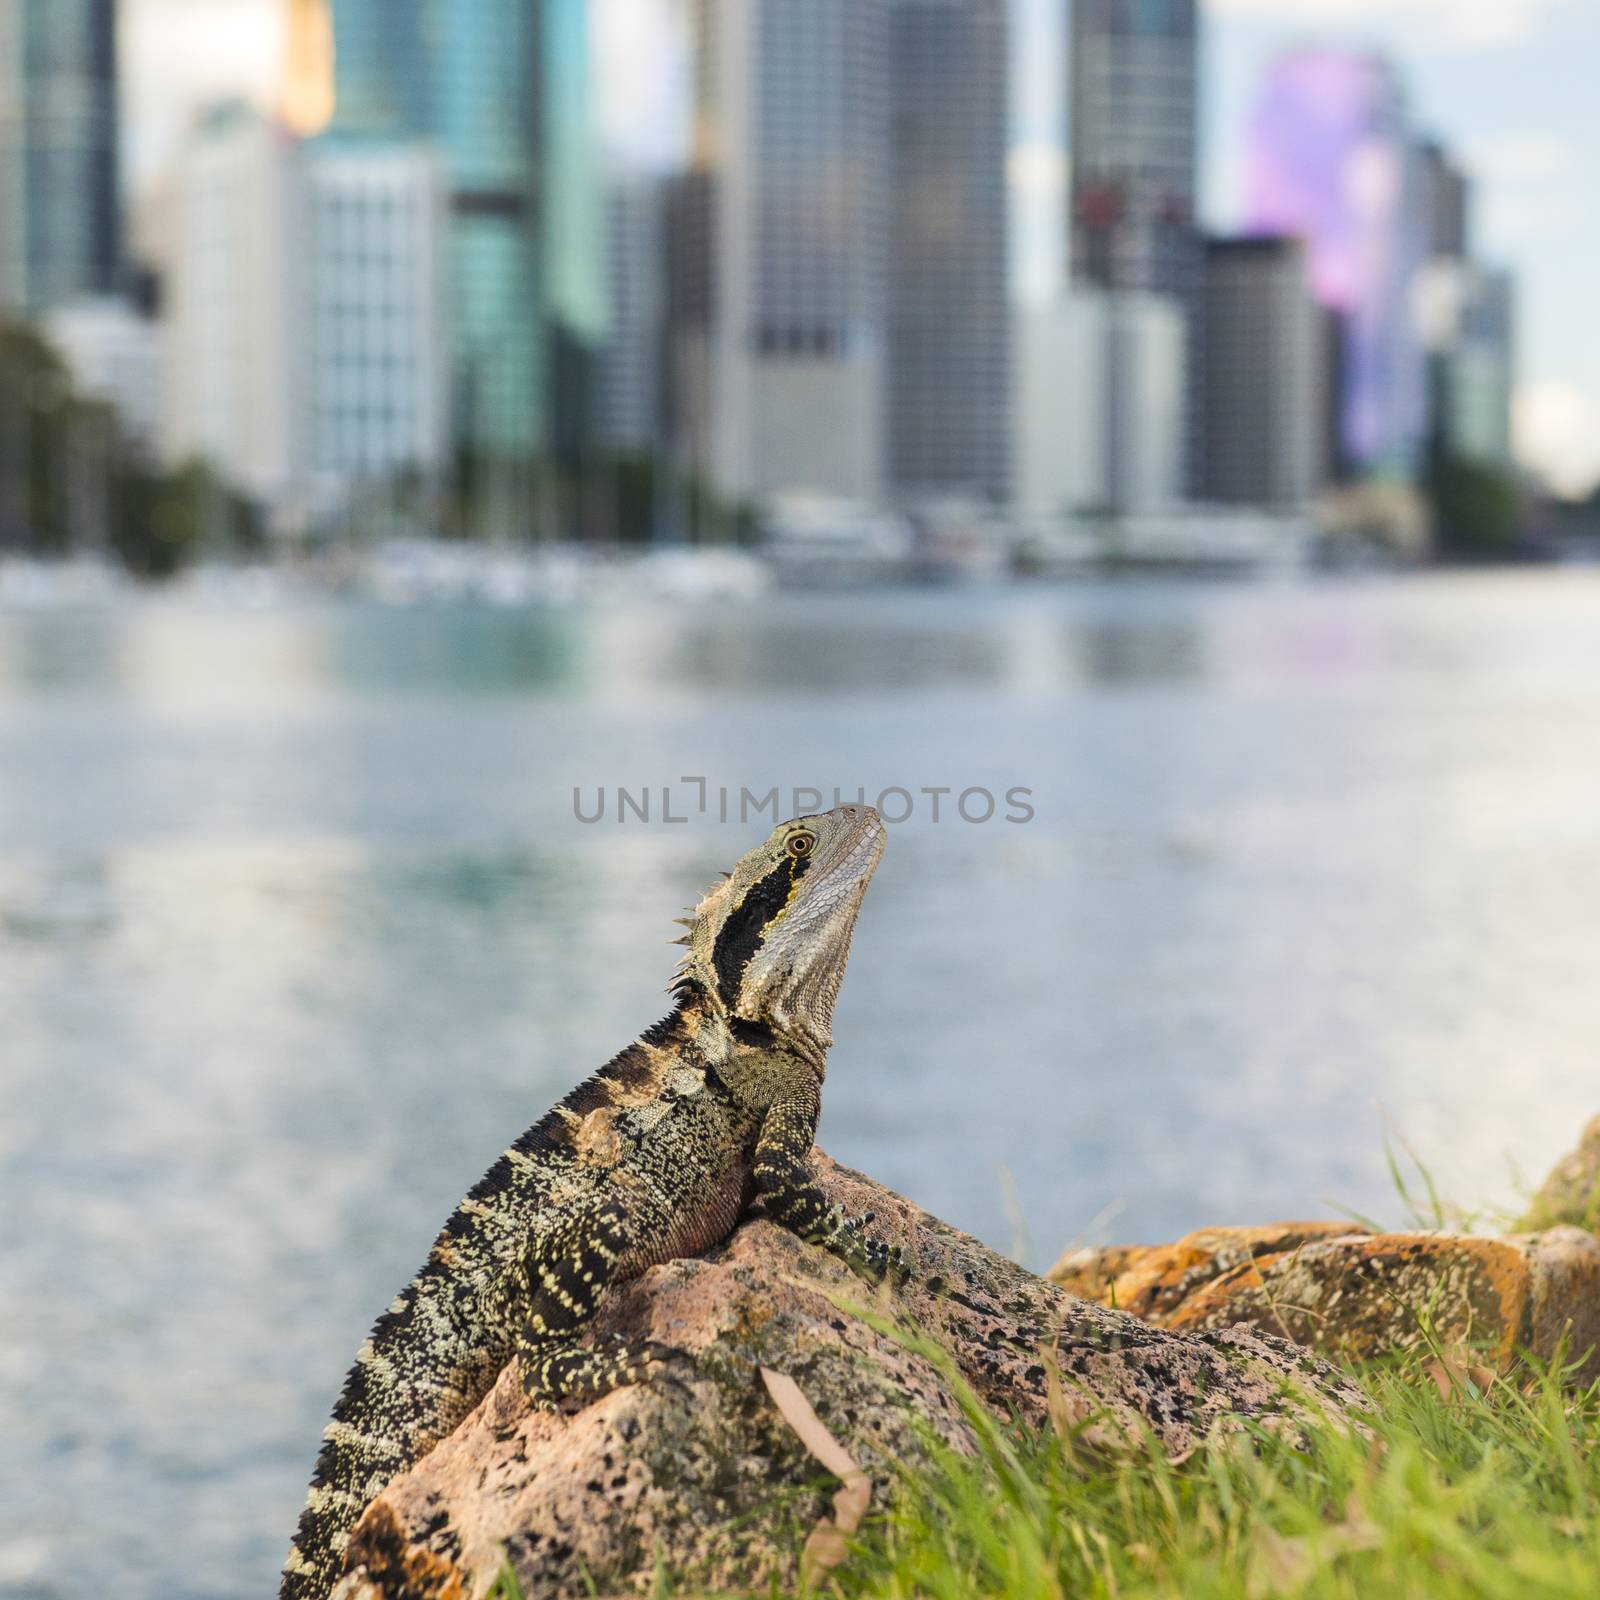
pixel 1332 162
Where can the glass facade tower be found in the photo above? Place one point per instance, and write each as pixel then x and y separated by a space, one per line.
pixel 501 87
pixel 58 152
pixel 949 316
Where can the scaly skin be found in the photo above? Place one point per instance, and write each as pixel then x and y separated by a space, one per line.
pixel 709 1115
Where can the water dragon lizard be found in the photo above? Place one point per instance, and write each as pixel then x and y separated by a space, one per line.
pixel 708 1117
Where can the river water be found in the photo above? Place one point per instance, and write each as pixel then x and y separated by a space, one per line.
pixel 298 927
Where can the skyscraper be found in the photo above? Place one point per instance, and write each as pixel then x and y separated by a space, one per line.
pixel 305 313
pixel 502 88
pixel 370 299
pixel 781 249
pixel 1060 454
pixel 571 224
pixel 628 413
pixel 1332 161
pixel 1134 141
pixel 483 109
pixel 949 313
pixel 383 63
pixel 1444 193
pixel 1468 329
pixel 59 218
pixel 1481 371
pixel 1466 319
pixel 232 346
pixel 1134 154
pixel 1264 387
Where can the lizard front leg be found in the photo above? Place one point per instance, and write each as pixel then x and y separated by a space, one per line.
pixel 568 1272
pixel 787 1194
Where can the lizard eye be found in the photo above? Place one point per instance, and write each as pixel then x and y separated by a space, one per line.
pixel 799 844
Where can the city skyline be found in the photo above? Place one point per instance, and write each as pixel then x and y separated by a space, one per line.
pixel 1498 81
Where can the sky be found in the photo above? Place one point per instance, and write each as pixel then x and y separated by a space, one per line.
pixel 1509 85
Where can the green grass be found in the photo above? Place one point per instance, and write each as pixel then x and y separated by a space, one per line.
pixel 1491 1494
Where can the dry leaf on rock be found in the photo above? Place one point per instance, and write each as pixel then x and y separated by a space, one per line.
pixel 829 1541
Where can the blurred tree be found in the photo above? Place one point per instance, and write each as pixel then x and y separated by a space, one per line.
pixel 164 520
pixel 1477 508
pixel 72 482
pixel 624 497
pixel 34 391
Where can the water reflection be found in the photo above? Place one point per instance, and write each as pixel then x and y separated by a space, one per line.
pixel 57 655
pixel 458 650
pixel 163 655
pixel 1125 651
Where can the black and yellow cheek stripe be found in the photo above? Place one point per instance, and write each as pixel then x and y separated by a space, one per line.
pixel 741 935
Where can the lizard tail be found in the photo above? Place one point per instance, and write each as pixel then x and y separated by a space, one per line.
pixel 316 1557
pixel 356 1461
pixel 412 1382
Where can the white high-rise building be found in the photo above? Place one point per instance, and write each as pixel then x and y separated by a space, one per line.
pixel 1060 454
pixel 305 349
pixel 231 386
pixel 375 294
pixel 1099 386
pixel 1146 367
pixel 113 352
pixel 781 251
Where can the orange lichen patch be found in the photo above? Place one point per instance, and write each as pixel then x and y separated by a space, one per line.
pixel 390 1562
pixel 1360 1295
pixel 1089 1273
pixel 1366 1296
pixel 1153 1281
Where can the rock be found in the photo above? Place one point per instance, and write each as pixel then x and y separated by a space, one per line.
pixel 707 1478
pixel 1563 1307
pixel 1358 1295
pixel 1571 1194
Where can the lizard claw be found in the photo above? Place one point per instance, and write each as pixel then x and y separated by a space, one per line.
pixel 896 1266
pixel 879 1263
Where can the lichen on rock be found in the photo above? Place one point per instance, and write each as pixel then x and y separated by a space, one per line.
pixel 1570 1196
pixel 1361 1296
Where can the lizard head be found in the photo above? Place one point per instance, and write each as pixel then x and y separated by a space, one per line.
pixel 768 945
